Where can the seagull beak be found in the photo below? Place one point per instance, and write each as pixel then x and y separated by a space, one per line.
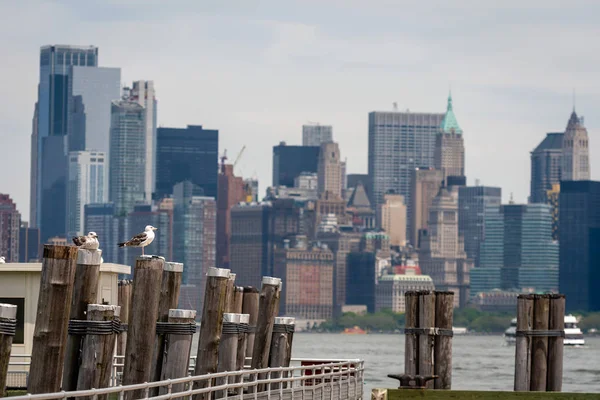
pixel 154 229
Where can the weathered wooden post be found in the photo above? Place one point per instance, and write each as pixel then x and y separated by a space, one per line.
pixel 238 299
pixel 125 304
pixel 178 345
pixel 267 311
pixel 142 323
pixel 411 341
pixel 98 348
pixel 210 326
pixel 444 315
pixel 523 342
pixel 8 327
pixel 85 291
pixel 242 342
pixel 229 297
pixel 232 327
pixel 250 307
pixel 52 319
pixel 169 297
pixel 539 356
pixel 426 339
pixel 281 345
pixel 556 343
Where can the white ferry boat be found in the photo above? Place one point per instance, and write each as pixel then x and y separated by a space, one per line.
pixel 573 335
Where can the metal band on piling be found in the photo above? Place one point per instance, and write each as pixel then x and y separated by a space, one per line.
pixel 541 333
pixel 171 266
pixel 218 272
pixel 284 325
pixel 429 331
pixel 244 320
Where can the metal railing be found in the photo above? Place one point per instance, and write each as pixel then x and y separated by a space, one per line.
pixel 311 380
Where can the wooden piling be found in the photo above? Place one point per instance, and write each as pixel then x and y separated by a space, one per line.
pixel 281 346
pixel 176 360
pixel 267 311
pixel 426 341
pixel 539 346
pixel 98 349
pixel 242 342
pixel 142 323
pixel 125 304
pixel 85 291
pixel 444 314
pixel 211 326
pixel 250 307
pixel 229 297
pixel 238 299
pixel 228 347
pixel 8 325
pixel 523 342
pixel 556 343
pixel 169 297
pixel 52 319
pixel 411 341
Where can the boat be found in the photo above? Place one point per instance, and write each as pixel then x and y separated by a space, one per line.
pixel 354 331
pixel 573 335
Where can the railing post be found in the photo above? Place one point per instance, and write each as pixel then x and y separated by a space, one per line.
pixel 85 291
pixel 250 307
pixel 8 325
pixel 52 318
pixel 177 347
pixel 142 325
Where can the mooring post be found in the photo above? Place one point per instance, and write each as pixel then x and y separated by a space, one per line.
pixel 238 299
pixel 232 326
pixel 85 291
pixel 426 341
pixel 178 345
pixel 250 307
pixel 444 314
pixel 142 323
pixel 125 304
pixel 98 348
pixel 281 345
pixel 411 341
pixel 539 358
pixel 230 294
pixel 8 327
pixel 523 342
pixel 211 326
pixel 241 345
pixel 52 319
pixel 169 297
pixel 268 309
pixel 556 343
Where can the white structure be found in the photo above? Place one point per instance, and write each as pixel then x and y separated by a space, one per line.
pixel 330 170
pixel 88 183
pixel 392 217
pixel 575 151
pixel 143 93
pixel 391 289
pixel 328 223
pixel 315 134
pixel 306 180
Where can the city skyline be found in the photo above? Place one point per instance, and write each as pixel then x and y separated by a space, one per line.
pixel 503 121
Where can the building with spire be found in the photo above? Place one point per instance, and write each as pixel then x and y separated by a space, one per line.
pixel 329 170
pixel 575 149
pixel 449 152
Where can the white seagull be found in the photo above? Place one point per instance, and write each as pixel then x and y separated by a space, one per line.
pixel 141 239
pixel 88 242
pixel 2 260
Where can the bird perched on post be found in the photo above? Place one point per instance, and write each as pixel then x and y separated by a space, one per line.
pixel 141 239
pixel 2 260
pixel 89 242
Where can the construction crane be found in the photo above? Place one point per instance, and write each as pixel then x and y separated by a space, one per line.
pixel 223 159
pixel 239 156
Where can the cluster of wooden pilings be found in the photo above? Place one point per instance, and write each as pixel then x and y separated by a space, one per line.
pixel 75 339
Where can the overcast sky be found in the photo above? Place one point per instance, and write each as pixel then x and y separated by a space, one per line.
pixel 258 70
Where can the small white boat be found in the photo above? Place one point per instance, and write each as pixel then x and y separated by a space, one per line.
pixel 573 335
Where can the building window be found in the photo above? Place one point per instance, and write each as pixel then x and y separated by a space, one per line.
pixel 19 337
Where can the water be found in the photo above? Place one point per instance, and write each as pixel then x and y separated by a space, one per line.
pixel 479 362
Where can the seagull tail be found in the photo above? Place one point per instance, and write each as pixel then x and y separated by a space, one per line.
pixel 122 244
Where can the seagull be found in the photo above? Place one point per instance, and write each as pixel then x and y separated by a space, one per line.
pixel 2 260
pixel 89 242
pixel 141 239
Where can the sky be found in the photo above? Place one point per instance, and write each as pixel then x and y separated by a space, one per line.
pixel 259 70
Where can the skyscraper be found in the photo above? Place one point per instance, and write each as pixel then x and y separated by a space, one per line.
pixel 315 134
pixel 449 154
pixel 29 243
pixel 127 156
pixel 51 120
pixel 576 160
pixel 425 185
pixel 10 223
pixel 187 154
pixel 100 218
pixel 546 166
pixel 399 142
pixel 290 161
pixel 580 244
pixel 392 215
pixel 473 201
pixel 88 183
pixel 143 93
pixel 231 192
pixel 330 170
pixel 442 254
